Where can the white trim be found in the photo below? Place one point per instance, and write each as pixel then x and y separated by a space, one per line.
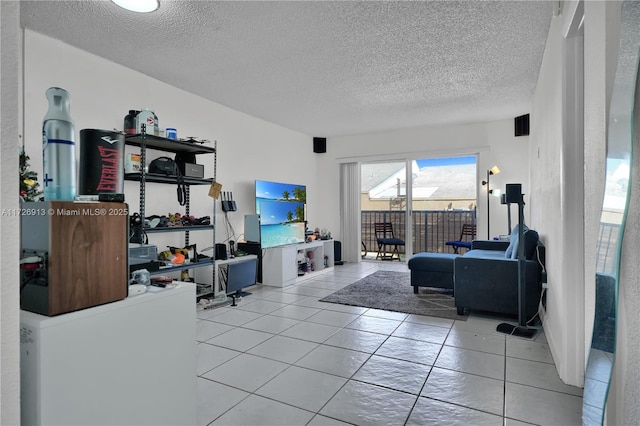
pixel 572 200
pixel 573 17
pixel 415 155
pixel 408 211
pixel 350 220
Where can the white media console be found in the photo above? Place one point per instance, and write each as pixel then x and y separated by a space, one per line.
pixel 280 265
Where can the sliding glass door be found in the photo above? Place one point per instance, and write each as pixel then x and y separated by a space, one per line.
pixel 383 200
pixel 443 200
pixel 431 210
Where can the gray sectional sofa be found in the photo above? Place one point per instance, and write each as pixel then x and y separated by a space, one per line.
pixel 486 277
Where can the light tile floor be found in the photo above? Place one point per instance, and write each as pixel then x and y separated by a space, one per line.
pixel 281 357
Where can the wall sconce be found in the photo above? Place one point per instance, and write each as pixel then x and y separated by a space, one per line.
pixel 492 171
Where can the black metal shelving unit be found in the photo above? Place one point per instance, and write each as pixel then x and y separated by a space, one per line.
pixel 145 142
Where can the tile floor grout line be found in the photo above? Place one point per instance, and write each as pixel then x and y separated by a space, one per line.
pixel 504 384
pixel 544 389
pixel 461 405
pixel 429 374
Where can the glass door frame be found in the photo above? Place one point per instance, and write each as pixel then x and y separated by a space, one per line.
pixel 408 183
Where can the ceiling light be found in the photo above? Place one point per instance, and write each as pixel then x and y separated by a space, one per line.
pixel 143 6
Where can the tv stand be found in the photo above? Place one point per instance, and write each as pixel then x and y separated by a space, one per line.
pixel 280 264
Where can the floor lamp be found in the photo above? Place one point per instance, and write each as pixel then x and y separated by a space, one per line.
pixel 492 171
pixel 513 194
pixel 503 200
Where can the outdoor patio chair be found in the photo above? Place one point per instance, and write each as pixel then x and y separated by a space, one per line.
pixel 467 235
pixel 384 238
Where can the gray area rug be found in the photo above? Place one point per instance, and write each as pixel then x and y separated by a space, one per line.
pixel 392 291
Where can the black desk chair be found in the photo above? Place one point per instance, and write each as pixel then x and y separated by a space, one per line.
pixel 384 238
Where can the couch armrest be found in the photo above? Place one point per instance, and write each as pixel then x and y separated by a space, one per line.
pixel 490 245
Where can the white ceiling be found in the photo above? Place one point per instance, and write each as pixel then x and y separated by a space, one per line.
pixel 324 68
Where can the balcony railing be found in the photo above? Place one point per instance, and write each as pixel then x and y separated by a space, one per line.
pixel 431 228
pixel 607 248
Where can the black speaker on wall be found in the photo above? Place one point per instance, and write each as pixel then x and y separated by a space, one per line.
pixel 513 193
pixel 319 145
pixel 521 125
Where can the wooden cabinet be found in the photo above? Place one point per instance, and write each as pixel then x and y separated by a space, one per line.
pixel 83 250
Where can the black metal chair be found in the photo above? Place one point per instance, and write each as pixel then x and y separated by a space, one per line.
pixel 384 238
pixel 469 231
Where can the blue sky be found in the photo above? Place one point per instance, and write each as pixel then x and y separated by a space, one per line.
pixel 446 161
pixel 274 190
pixel 273 212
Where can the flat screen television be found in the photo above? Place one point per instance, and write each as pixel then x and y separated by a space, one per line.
pixel 281 207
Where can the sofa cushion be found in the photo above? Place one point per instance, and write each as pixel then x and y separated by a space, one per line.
pixel 434 262
pixel 484 254
pixel 512 250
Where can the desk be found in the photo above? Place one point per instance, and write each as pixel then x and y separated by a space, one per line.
pixel 204 276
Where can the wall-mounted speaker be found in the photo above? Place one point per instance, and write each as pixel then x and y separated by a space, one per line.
pixel 521 125
pixel 513 193
pixel 319 145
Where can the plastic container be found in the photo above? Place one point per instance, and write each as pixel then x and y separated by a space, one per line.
pixel 148 118
pixel 101 162
pixel 58 148
pixel 171 133
pixel 130 122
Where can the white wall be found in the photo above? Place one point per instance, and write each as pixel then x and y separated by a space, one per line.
pixel 248 148
pixel 568 330
pixel 547 201
pixel 493 142
pixel 9 276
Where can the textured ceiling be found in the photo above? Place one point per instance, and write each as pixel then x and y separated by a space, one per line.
pixel 324 68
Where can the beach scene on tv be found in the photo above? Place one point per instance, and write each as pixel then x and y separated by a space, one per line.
pixel 281 208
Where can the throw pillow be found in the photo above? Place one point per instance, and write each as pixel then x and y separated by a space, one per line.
pixel 512 250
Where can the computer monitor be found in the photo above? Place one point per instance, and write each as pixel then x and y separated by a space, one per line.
pixel 241 275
